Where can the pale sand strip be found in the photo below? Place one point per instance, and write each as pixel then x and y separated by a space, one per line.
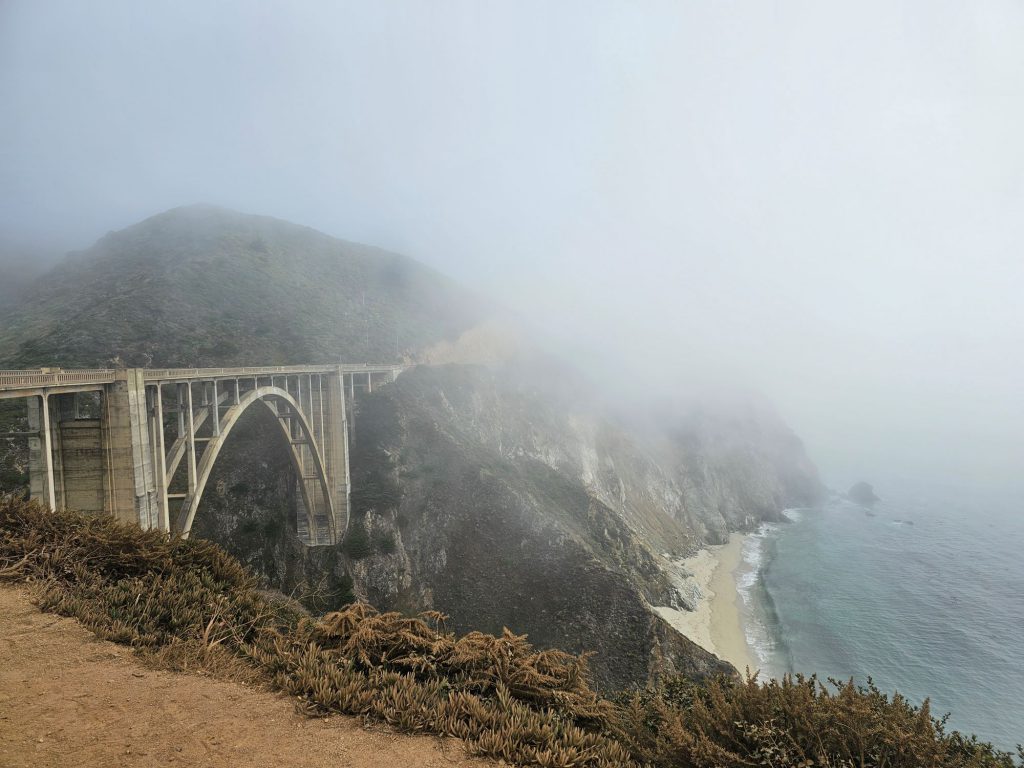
pixel 726 620
pixel 709 579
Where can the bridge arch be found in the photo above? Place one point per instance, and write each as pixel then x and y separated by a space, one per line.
pixel 273 398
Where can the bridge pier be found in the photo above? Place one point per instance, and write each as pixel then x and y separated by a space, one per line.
pixel 126 420
pixel 95 465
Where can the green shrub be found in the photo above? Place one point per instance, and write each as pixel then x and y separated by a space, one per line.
pixel 797 721
pixel 357 540
pixel 384 542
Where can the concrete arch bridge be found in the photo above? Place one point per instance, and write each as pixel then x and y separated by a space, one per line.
pixel 140 443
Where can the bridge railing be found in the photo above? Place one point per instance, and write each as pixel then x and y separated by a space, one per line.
pixel 41 377
pixel 161 374
pixel 164 374
pixel 55 377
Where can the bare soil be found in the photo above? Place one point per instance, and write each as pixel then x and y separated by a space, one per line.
pixel 68 699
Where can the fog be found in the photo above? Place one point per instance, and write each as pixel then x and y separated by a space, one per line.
pixel 821 202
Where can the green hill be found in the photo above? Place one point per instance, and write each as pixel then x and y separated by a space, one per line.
pixel 207 286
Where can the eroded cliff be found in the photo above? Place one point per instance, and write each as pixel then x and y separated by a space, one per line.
pixel 501 504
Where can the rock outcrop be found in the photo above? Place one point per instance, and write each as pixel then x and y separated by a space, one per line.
pixel 862 493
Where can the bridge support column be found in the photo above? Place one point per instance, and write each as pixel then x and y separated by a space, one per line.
pixel 335 446
pixel 79 457
pixel 159 448
pixel 42 479
pixel 133 494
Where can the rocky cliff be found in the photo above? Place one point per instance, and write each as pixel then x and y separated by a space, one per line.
pixel 496 501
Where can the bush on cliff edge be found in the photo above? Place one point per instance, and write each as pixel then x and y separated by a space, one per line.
pixel 189 605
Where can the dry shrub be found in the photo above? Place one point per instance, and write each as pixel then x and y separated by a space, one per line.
pixel 187 605
pixel 499 694
pixel 796 721
pixel 190 606
pixel 475 663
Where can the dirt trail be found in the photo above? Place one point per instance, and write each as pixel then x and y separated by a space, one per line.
pixel 68 699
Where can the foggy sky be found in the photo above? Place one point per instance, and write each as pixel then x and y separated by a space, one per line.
pixel 820 201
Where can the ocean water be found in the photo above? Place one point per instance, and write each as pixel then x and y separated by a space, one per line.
pixel 925 596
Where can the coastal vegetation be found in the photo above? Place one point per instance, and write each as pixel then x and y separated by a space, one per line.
pixel 189 606
pixel 205 286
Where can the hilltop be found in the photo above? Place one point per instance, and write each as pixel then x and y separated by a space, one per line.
pixel 207 286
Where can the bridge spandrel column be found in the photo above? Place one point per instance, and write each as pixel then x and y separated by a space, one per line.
pixel 335 448
pixel 132 487
pixel 36 452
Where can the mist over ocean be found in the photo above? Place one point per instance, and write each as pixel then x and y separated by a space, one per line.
pixel 924 594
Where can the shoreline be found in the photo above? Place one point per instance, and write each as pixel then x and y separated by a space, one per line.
pixel 727 630
pixel 709 580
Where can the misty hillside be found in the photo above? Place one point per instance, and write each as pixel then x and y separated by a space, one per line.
pixel 20 266
pixel 207 286
pixel 13 285
pixel 521 507
pixel 503 495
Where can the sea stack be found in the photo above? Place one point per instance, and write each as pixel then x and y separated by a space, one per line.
pixel 862 493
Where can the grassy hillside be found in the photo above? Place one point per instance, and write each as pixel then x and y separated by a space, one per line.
pixel 13 285
pixel 207 286
pixel 20 265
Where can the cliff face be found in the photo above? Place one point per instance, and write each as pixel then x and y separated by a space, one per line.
pixel 738 468
pixel 502 504
pixel 507 508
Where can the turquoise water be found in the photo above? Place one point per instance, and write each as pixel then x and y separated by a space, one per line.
pixel 926 597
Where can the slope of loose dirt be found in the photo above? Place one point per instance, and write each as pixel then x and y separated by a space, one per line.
pixel 68 699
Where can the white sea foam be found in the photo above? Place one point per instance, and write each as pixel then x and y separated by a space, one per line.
pixel 758 637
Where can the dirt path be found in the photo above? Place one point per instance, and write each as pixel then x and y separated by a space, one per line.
pixel 68 699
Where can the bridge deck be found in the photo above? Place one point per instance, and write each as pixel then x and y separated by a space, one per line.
pixel 32 381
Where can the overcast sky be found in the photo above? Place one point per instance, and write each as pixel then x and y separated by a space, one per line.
pixel 820 201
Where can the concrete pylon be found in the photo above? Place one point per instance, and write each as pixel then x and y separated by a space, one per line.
pixel 133 495
pixel 100 464
pixel 335 446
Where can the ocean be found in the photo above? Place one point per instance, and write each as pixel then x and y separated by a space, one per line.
pixel 924 595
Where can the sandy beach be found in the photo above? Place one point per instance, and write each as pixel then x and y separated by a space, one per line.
pixel 709 580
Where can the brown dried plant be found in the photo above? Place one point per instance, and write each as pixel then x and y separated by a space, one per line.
pixel 188 605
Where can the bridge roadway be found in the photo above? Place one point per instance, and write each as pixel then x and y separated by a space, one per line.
pixel 140 443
